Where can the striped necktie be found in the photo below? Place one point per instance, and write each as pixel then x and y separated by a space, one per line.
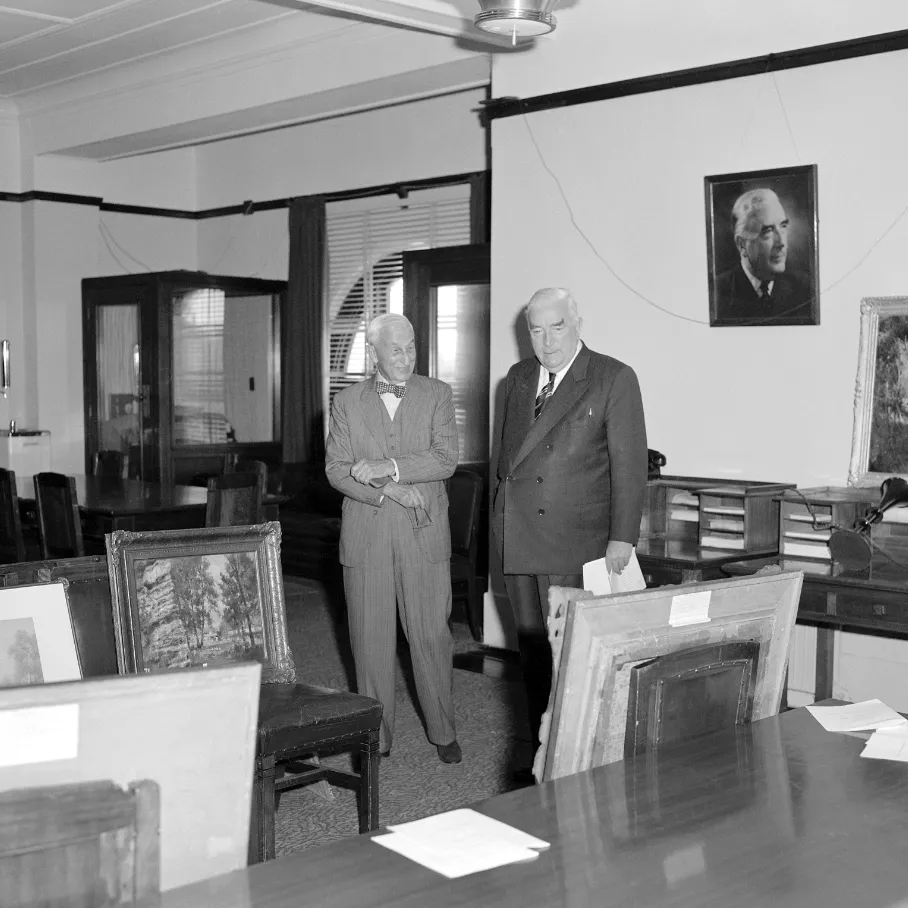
pixel 542 398
pixel 765 291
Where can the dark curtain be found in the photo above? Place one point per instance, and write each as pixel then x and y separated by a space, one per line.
pixel 303 418
pixel 480 207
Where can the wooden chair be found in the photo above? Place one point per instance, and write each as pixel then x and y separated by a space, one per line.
pixel 297 721
pixel 80 845
pixel 464 500
pixel 234 499
pixel 12 542
pixel 59 522
pixel 88 590
pixel 112 464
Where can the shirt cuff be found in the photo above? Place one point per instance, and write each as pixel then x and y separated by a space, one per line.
pixel 396 476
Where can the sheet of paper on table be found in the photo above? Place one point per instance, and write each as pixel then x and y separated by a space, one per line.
pixel 600 582
pixel 890 743
pixel 868 714
pixel 461 842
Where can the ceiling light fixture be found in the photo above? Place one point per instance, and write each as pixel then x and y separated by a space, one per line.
pixel 516 18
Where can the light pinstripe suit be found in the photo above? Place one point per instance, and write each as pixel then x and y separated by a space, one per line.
pixel 386 558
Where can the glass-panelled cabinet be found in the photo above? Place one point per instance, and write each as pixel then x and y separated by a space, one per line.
pixel 182 367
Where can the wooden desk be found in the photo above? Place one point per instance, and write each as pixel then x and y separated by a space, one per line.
pixel 872 601
pixel 778 813
pixel 666 561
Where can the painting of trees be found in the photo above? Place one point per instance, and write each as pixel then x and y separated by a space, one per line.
pixel 240 599
pixel 889 422
pixel 195 596
pixel 21 662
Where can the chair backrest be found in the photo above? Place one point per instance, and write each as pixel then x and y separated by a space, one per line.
pixel 80 844
pixel 88 590
pixel 12 543
pixel 233 463
pixel 234 499
pixel 464 495
pixel 59 523
pixel 114 464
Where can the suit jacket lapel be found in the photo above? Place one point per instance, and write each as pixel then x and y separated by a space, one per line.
pixel 568 392
pixel 372 411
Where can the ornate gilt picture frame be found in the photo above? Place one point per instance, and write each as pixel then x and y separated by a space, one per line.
pixel 196 598
pixel 879 443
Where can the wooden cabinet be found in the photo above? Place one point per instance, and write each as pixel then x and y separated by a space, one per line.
pixel 180 368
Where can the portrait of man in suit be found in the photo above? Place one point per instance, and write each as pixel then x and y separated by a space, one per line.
pixel 392 444
pixel 570 478
pixel 761 266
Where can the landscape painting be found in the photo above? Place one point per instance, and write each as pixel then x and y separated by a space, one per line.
pixel 198 610
pixel 20 660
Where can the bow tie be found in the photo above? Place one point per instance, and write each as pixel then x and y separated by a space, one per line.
pixel 382 387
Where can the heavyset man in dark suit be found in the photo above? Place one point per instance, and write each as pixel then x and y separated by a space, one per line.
pixel 392 443
pixel 571 475
pixel 759 287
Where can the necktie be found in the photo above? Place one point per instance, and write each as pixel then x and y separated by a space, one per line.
pixel 764 290
pixel 382 387
pixel 542 398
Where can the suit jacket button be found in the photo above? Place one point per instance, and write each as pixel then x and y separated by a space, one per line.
pixel 510 479
pixel 538 479
pixel 549 448
pixel 541 512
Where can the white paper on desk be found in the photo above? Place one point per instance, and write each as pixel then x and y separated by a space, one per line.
pixel 600 582
pixel 889 743
pixel 466 826
pixel 857 716
pixel 461 842
pixel 455 860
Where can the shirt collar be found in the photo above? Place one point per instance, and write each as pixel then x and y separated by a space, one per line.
pixel 755 282
pixel 544 373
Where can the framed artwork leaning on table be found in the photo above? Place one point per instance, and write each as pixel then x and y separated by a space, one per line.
pixel 201 597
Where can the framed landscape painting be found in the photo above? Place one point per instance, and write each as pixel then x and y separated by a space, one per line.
pixel 37 643
pixel 196 598
pixel 879 443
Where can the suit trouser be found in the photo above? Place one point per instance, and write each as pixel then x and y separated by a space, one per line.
pixel 529 595
pixel 398 572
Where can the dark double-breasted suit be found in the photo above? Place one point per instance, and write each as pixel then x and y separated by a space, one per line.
pixel 566 484
pixel 387 557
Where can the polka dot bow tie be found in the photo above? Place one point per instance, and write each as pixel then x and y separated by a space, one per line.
pixel 382 387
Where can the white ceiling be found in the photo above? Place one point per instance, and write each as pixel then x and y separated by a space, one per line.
pixel 45 43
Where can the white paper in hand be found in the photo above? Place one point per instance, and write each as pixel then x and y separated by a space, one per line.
pixel 600 582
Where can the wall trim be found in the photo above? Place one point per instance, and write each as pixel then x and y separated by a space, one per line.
pixel 246 207
pixel 498 108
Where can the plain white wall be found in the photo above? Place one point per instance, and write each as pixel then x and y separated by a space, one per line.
pixel 760 403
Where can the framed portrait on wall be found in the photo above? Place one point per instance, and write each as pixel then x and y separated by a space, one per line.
pixel 763 248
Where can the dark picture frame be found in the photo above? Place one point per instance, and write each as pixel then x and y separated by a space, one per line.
pixel 199 597
pixel 794 294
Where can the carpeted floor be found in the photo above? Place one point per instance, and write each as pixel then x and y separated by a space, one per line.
pixel 413 783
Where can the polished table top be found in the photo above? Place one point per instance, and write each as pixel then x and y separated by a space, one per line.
pixel 687 553
pixel 886 572
pixel 118 497
pixel 778 813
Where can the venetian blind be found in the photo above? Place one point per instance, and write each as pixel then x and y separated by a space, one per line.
pixel 366 239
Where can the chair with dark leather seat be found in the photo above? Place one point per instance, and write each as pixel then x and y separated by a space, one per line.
pixel 12 542
pixel 464 500
pixel 59 521
pixel 299 720
pixel 234 499
pixel 112 464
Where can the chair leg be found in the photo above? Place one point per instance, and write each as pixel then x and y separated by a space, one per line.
pixel 367 802
pixel 474 608
pixel 263 811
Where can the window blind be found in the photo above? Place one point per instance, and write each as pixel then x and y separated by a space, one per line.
pixel 366 239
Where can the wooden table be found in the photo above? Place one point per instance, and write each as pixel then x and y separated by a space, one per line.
pixel 779 813
pixel 872 601
pixel 665 560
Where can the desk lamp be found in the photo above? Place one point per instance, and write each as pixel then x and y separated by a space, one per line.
pixel 852 548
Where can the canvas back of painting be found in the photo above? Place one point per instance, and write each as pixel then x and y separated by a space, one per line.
pixel 191 732
pixel 640 670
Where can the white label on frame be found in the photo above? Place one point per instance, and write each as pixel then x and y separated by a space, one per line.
pixel 39 734
pixel 690 608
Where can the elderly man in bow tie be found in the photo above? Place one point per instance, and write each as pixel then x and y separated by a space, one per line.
pixel 391 445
